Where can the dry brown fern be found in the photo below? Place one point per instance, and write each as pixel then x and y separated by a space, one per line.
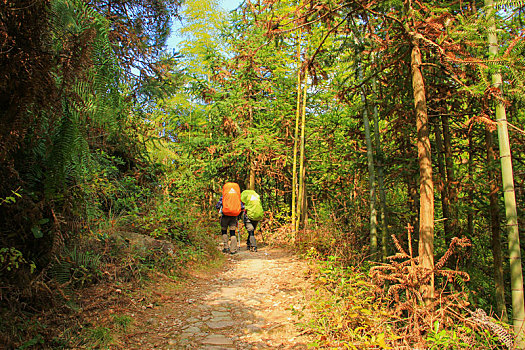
pixel 401 280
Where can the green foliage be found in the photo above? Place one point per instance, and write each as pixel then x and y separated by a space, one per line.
pixel 174 221
pixel 38 340
pixel 346 312
pixel 164 219
pixel 122 321
pixel 10 199
pixel 97 338
pixel 461 337
pixel 11 260
pixel 76 268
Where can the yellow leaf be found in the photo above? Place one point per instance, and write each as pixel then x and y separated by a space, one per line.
pixel 381 341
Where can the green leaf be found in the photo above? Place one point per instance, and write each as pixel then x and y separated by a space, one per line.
pixel 37 232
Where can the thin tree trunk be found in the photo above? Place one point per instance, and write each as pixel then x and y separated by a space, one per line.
pixel 304 203
pixel 426 184
pixel 443 176
pixel 251 185
pixel 497 254
pixel 301 157
pixel 251 175
pixel 371 174
pixel 470 196
pixel 296 134
pixel 380 182
pixel 450 181
pixel 516 275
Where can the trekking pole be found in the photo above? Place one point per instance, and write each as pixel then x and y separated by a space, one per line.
pixel 238 236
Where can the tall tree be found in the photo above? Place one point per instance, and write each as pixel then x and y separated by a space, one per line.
pixel 296 133
pixel 450 183
pixel 426 183
pixel 380 178
pixel 516 275
pixel 371 171
pixel 497 254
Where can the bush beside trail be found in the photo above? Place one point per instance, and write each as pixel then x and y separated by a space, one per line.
pixel 56 306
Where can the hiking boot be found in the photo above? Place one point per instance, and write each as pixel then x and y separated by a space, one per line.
pixel 226 250
pixel 253 249
pixel 235 252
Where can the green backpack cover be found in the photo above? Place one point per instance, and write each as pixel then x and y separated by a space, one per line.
pixel 253 205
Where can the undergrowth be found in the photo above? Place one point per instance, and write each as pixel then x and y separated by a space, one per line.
pixel 347 315
pixel 99 273
pixel 379 305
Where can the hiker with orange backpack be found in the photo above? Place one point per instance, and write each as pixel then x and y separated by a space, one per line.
pixel 230 207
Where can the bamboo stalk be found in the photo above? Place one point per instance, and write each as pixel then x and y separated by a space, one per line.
pixel 300 193
pixel 296 133
pixel 516 272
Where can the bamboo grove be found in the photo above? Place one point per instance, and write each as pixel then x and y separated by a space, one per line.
pixel 373 130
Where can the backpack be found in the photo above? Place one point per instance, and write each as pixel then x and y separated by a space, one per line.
pixel 252 203
pixel 231 199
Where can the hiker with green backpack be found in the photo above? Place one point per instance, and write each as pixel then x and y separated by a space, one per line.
pixel 253 213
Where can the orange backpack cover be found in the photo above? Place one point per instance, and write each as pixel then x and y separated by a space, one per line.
pixel 231 199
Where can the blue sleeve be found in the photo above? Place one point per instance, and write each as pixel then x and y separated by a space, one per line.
pixel 219 204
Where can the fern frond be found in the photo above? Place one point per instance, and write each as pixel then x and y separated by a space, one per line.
pixel 508 4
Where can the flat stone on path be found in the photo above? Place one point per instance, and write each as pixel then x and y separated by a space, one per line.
pixel 192 330
pixel 220 324
pixel 217 339
pixel 220 313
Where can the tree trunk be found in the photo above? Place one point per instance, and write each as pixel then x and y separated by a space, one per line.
pixel 251 184
pixel 296 134
pixel 470 185
pixel 450 181
pixel 497 254
pixel 412 191
pixel 426 184
pixel 304 201
pixel 301 156
pixel 516 275
pixel 443 177
pixel 251 176
pixel 380 182
pixel 371 175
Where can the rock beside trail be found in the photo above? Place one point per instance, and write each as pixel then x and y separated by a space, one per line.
pixel 140 244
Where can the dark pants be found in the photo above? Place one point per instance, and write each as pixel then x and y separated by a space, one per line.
pixel 230 243
pixel 250 225
pixel 228 222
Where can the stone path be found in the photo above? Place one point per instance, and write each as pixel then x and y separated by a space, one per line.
pixel 248 306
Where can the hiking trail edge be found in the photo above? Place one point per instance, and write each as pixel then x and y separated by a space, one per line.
pixel 247 305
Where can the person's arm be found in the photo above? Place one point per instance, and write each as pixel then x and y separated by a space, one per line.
pixel 243 211
pixel 219 204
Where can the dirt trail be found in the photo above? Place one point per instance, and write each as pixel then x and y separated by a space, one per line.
pixel 248 305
